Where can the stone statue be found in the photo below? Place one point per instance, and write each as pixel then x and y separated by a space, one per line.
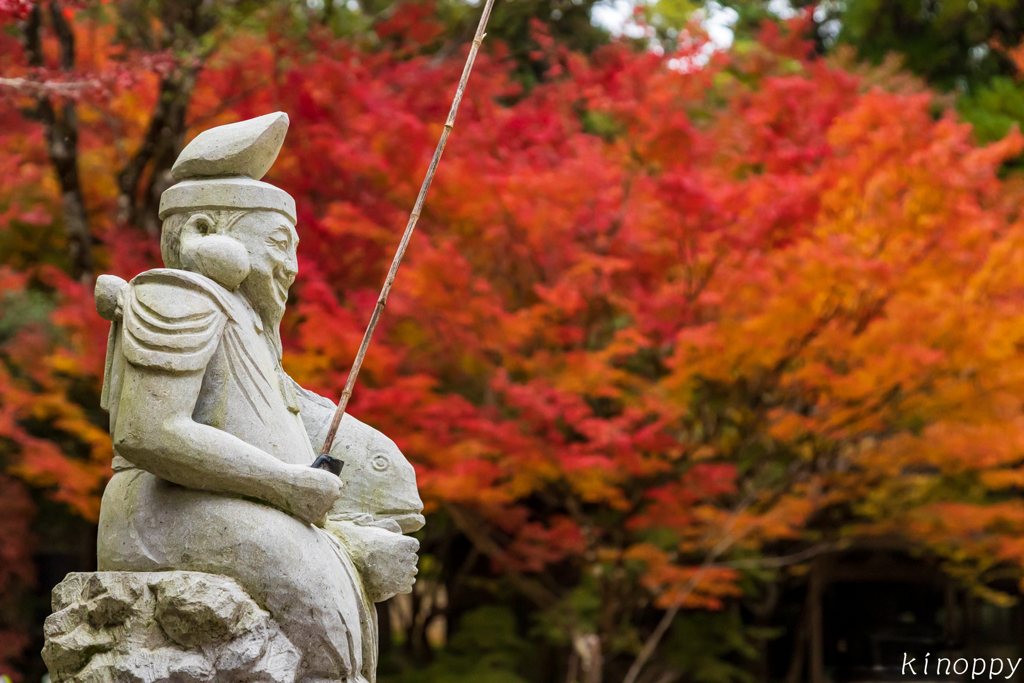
pixel 213 444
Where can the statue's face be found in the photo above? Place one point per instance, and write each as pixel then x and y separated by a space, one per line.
pixel 271 241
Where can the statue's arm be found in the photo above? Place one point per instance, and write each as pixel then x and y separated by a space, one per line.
pixel 170 333
pixel 155 431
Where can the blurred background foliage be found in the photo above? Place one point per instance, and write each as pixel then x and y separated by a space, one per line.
pixel 683 319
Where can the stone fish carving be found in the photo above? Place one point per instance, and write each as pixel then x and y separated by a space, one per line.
pixel 380 484
pixel 213 445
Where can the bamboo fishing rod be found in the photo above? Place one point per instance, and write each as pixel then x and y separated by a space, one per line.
pixel 325 461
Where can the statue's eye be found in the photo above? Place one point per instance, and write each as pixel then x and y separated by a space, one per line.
pixel 380 462
pixel 279 239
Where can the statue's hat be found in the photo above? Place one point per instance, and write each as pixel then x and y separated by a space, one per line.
pixel 221 169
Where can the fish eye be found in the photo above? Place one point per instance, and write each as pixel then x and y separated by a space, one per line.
pixel 380 462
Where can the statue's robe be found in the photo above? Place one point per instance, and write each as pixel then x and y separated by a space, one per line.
pixel 175 321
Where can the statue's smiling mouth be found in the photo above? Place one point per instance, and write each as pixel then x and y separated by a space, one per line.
pixel 409 520
pixel 282 283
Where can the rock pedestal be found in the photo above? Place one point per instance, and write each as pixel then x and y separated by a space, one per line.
pixel 180 627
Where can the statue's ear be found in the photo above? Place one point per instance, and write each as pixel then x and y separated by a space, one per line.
pixel 218 257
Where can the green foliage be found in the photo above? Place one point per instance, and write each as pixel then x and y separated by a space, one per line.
pixel 714 647
pixel 21 309
pixel 751 15
pixel 485 649
pixel 669 19
pixel 949 43
pixel 518 25
pixel 993 108
pixel 945 42
pixel 582 608
pixel 23 243
pixel 673 13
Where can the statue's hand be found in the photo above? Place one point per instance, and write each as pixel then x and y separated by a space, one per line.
pixel 311 493
pixel 386 561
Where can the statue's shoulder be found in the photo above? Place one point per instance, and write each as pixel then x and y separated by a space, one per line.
pixel 173 319
pixel 177 293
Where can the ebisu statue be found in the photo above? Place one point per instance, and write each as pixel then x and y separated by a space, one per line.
pixel 222 554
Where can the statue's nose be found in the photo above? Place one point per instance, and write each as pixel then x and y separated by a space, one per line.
pixel 291 268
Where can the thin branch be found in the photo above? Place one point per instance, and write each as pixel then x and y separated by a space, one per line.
pixel 224 105
pixel 65 36
pixel 800 648
pixel 61 128
pixel 591 661
pixel 28 86
pixel 670 614
pixel 478 536
pixel 784 560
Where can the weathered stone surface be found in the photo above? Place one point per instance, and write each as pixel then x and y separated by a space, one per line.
pixel 219 258
pixel 386 560
pixel 247 148
pixel 152 627
pixel 221 169
pixel 107 289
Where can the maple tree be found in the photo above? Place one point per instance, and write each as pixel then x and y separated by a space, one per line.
pixel 668 327
pixel 965 49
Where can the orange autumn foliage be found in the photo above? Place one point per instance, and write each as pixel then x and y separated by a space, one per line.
pixel 654 312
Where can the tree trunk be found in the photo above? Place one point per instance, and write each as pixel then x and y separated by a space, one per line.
pixel 160 148
pixel 796 662
pixel 591 661
pixel 816 626
pixel 61 129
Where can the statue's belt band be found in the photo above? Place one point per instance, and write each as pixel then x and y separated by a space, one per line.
pixel 225 193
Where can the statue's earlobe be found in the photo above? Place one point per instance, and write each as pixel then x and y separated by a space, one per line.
pixel 220 258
